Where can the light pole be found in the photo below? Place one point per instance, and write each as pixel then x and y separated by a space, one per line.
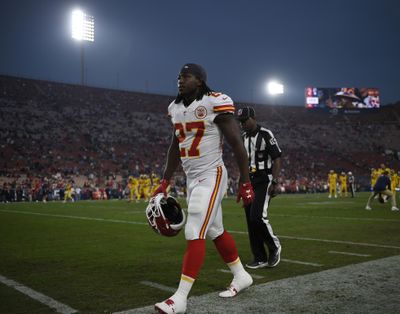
pixel 82 30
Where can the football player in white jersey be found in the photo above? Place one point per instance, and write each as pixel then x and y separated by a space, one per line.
pixel 201 118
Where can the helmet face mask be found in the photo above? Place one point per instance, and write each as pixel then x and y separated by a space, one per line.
pixel 165 215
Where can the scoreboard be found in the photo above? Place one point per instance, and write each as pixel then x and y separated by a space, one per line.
pixel 342 98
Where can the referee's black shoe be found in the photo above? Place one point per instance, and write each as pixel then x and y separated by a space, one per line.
pixel 257 264
pixel 274 257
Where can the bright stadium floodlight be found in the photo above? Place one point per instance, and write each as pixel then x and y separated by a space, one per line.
pixel 82 30
pixel 274 88
pixel 82 26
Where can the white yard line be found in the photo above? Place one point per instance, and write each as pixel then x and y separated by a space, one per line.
pixel 300 262
pixel 232 231
pixel 328 241
pixel 324 203
pixel 74 217
pixel 158 286
pixel 58 306
pixel 341 242
pixel 229 272
pixel 349 253
pixel 340 218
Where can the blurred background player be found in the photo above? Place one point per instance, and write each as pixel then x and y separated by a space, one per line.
pixel 155 182
pixel 141 182
pixel 146 190
pixel 383 168
pixel 352 182
pixel 398 180
pixel 394 180
pixel 68 192
pixel 45 189
pixel 197 135
pixel 332 182
pixel 343 184
pixel 374 176
pixel 382 187
pixel 133 186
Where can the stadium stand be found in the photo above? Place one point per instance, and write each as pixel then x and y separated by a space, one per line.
pixel 53 132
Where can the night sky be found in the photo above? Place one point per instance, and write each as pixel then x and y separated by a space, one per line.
pixel 140 45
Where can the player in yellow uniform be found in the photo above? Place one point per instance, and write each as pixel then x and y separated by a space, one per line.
pixel 343 184
pixel 332 179
pixel 146 187
pixel 375 173
pixel 383 168
pixel 133 186
pixel 398 179
pixel 394 181
pixel 155 182
pixel 68 193
pixel 140 187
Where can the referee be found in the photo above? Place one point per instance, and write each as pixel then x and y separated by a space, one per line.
pixel 264 166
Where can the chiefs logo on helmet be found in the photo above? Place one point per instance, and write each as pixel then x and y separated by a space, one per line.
pixel 165 215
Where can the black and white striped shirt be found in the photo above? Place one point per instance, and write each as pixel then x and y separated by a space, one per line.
pixel 262 148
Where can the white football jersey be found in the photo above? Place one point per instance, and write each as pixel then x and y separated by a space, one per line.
pixel 200 140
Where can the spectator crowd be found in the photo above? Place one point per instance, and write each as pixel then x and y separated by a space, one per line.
pixel 54 133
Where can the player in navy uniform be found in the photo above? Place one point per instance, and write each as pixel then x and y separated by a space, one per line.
pixel 382 187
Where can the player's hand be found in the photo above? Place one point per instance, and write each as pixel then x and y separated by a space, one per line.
pixel 162 188
pixel 245 193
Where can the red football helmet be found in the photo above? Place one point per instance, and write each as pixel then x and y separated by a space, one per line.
pixel 165 215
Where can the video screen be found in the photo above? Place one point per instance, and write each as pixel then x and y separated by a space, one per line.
pixel 342 98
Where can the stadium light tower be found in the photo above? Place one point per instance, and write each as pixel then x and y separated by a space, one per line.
pixel 82 30
pixel 275 88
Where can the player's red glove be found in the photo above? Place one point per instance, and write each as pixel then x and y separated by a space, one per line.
pixel 245 193
pixel 162 188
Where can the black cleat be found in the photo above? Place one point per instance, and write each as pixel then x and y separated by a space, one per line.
pixel 256 265
pixel 275 257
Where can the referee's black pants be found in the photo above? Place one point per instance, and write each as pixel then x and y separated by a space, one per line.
pixel 259 228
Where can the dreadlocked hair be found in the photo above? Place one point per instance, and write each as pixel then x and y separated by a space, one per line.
pixel 203 90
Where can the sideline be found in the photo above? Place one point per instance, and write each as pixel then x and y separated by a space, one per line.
pixel 356 288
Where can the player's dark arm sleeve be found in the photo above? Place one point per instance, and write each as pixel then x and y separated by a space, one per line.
pixel 173 158
pixel 230 129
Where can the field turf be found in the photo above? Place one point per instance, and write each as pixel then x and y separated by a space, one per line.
pixel 95 255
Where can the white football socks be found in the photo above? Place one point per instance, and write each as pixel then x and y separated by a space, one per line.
pixel 185 285
pixel 236 267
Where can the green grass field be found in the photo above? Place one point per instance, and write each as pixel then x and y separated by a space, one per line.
pixel 93 256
